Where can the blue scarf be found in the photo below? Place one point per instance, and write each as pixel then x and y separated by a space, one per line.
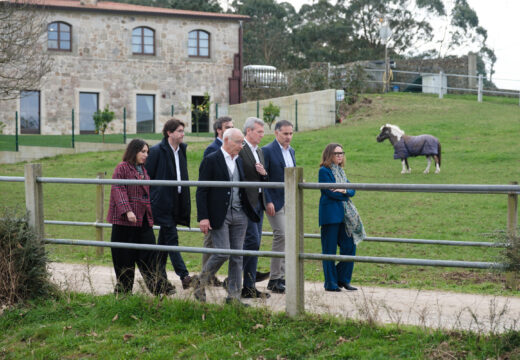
pixel 353 224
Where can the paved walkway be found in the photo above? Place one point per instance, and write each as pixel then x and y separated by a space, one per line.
pixel 434 309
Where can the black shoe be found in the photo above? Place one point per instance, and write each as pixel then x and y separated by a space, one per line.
pixel 215 282
pixel 225 283
pixel 169 289
pixel 342 284
pixel 335 290
pixel 235 302
pixel 276 286
pixel 261 276
pixel 186 281
pixel 253 293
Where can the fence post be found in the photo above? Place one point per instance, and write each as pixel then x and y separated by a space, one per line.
pixel 73 128
pixel 480 87
pixel 124 125
pixel 100 204
pixel 257 109
pixel 294 300
pixel 16 144
pixel 173 110
pixel 34 197
pixel 441 95
pixel 216 111
pixel 296 114
pixel 514 242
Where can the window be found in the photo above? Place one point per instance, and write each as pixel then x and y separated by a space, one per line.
pixel 198 44
pixel 59 36
pixel 88 105
pixel 30 112
pixel 143 41
pixel 145 113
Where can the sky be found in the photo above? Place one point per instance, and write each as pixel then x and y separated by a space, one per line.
pixel 501 19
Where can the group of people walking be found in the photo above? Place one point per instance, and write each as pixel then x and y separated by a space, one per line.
pixel 229 217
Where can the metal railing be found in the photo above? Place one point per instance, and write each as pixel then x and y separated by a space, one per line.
pixel 440 88
pixel 294 251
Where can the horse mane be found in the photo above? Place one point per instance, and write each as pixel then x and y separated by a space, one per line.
pixel 395 130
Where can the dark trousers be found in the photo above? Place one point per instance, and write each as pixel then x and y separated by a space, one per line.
pixel 125 259
pixel 332 236
pixel 252 242
pixel 168 236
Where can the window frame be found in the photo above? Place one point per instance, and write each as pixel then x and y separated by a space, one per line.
pixel 58 40
pixel 198 31
pixel 142 37
pixel 32 130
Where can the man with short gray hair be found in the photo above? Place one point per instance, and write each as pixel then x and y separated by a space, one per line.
pixel 254 171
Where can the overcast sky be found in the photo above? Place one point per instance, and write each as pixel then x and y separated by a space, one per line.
pixel 501 19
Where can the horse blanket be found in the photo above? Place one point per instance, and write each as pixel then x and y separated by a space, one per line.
pixel 410 146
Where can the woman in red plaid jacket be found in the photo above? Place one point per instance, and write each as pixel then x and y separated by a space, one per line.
pixel 130 214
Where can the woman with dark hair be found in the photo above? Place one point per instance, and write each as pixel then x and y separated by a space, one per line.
pixel 339 220
pixel 131 216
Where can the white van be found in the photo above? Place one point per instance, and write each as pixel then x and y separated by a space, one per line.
pixel 263 76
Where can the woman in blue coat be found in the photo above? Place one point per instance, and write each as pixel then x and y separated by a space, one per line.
pixel 334 219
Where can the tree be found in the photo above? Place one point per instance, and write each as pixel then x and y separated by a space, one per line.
pixel 267 35
pixel 102 119
pixel 23 58
pixel 271 111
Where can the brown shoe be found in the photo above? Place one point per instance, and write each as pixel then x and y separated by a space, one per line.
pixel 186 281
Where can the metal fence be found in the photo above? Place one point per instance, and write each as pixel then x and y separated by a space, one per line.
pixel 438 84
pixel 294 251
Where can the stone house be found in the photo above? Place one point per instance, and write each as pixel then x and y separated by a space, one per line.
pixel 139 60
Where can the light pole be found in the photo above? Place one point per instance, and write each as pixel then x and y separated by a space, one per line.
pixel 385 33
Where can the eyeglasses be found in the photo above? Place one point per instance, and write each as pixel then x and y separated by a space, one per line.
pixel 339 153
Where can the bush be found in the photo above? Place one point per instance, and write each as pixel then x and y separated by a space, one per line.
pixel 102 119
pixel 270 113
pixel 23 261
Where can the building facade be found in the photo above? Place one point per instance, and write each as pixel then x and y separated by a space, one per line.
pixel 140 61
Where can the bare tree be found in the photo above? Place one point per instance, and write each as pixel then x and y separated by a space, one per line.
pixel 23 56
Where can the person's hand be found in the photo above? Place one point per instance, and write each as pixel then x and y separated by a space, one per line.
pixel 343 191
pixel 260 169
pixel 204 226
pixel 269 209
pixel 131 217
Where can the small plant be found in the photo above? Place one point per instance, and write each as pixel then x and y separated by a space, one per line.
pixel 23 261
pixel 102 119
pixel 270 113
pixel 2 126
pixel 200 111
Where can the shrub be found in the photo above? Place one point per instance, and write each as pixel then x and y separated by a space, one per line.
pixel 102 119
pixel 23 261
pixel 270 113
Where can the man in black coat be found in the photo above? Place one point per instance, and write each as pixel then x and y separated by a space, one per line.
pixel 224 211
pixel 171 205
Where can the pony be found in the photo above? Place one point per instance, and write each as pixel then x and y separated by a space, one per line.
pixel 406 146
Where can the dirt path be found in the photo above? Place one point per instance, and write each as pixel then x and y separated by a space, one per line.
pixel 426 308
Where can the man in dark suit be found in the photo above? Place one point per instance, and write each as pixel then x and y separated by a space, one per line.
pixel 277 156
pixel 171 205
pixel 253 161
pixel 219 126
pixel 225 212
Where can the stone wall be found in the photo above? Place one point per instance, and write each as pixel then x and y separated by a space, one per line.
pixel 101 61
pixel 308 111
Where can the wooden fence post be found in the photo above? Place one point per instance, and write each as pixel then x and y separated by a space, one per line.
pixel 34 198
pixel 513 240
pixel 100 204
pixel 294 300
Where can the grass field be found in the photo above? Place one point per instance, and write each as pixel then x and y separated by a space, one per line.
pixel 8 142
pixel 480 146
pixel 138 327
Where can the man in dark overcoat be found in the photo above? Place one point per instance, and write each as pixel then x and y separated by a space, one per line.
pixel 171 205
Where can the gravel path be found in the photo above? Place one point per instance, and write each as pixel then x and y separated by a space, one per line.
pixel 434 309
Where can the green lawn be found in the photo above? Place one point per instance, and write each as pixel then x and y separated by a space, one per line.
pixel 480 146
pixel 137 327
